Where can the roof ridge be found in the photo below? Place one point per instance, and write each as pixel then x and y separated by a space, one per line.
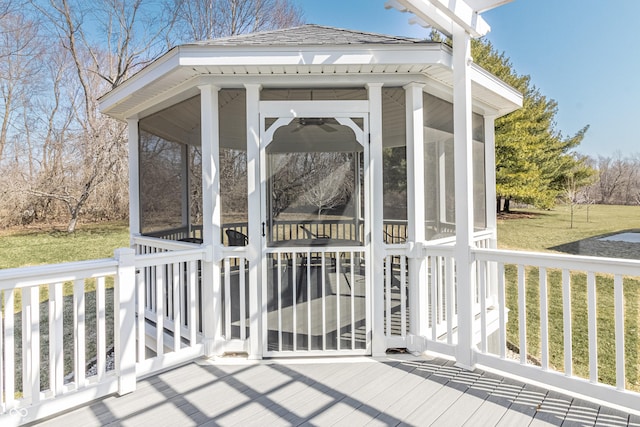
pixel 261 34
pixel 366 33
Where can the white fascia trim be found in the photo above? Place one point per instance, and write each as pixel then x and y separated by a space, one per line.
pixel 494 84
pixel 194 56
pixel 160 67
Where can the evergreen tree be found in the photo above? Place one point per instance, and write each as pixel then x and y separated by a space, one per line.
pixel 533 159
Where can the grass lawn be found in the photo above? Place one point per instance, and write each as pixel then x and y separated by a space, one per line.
pixel 545 229
pixel 20 248
pixel 540 230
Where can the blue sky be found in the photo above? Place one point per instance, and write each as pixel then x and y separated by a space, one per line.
pixel 585 54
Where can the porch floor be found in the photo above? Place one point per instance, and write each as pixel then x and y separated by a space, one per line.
pixel 402 390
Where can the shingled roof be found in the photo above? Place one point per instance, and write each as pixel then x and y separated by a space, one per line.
pixel 310 34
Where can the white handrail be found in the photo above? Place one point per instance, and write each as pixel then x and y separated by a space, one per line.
pixel 16 278
pixel 570 262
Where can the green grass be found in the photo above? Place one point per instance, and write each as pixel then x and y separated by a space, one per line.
pixel 34 247
pixel 19 248
pixel 545 229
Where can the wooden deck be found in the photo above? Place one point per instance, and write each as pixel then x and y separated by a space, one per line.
pixel 359 391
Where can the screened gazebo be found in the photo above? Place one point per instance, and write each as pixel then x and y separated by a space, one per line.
pixel 333 177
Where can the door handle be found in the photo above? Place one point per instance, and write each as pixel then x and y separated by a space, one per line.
pixel 263 229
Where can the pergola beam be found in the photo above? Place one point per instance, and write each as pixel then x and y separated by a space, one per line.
pixel 444 15
pixel 484 5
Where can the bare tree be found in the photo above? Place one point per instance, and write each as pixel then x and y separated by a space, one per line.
pixel 19 61
pixel 331 182
pixel 133 39
pixel 208 19
pixel 610 173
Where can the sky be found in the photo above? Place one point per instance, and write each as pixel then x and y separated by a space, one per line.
pixel 584 54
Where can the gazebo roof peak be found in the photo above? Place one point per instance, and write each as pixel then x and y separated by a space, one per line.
pixel 309 34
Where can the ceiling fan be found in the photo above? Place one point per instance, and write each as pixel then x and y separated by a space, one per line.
pixel 315 121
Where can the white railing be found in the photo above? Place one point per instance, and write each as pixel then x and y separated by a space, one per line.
pixel 437 275
pixel 63 316
pixel 168 308
pixel 315 300
pixel 573 320
pixel 396 294
pixel 234 281
pixel 73 332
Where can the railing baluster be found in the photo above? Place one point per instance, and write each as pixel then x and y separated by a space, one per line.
pixel 227 298
pixel 31 343
pixel 3 407
pixel 502 307
pixel 338 325
pixel 294 304
pixel 309 302
pixel 101 333
pixel 403 296
pixel 279 297
pixel 143 285
pixel 9 347
pixel 242 294
pixel 434 296
pixel 56 340
pixel 566 314
pixel 79 332
pixel 522 313
pixel 449 298
pixel 482 283
pixel 177 319
pixel 544 319
pixel 324 304
pixel 593 328
pixel 619 330
pixel 193 270
pixel 353 301
pixel 389 272
pixel 160 279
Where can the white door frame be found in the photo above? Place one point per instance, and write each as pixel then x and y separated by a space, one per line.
pixel 343 111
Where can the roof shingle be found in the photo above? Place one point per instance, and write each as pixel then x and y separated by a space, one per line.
pixel 309 34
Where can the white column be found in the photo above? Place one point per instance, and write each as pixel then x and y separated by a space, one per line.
pixel 134 178
pixel 378 346
pixel 464 194
pixel 416 215
pixel 255 221
pixel 211 289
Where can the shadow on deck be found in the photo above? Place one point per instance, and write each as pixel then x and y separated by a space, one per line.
pixel 346 391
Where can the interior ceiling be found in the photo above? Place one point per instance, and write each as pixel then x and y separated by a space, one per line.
pixel 314 135
pixel 181 122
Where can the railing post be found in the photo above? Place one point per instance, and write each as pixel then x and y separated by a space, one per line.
pixel 377 218
pixel 464 196
pixel 211 290
pixel 125 316
pixel 418 309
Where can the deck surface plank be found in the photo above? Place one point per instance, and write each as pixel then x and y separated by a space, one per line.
pixel 402 390
pixel 497 402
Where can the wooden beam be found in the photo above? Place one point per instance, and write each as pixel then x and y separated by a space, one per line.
pixel 484 5
pixel 444 15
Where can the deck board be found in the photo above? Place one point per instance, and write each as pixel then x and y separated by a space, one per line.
pixel 398 390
